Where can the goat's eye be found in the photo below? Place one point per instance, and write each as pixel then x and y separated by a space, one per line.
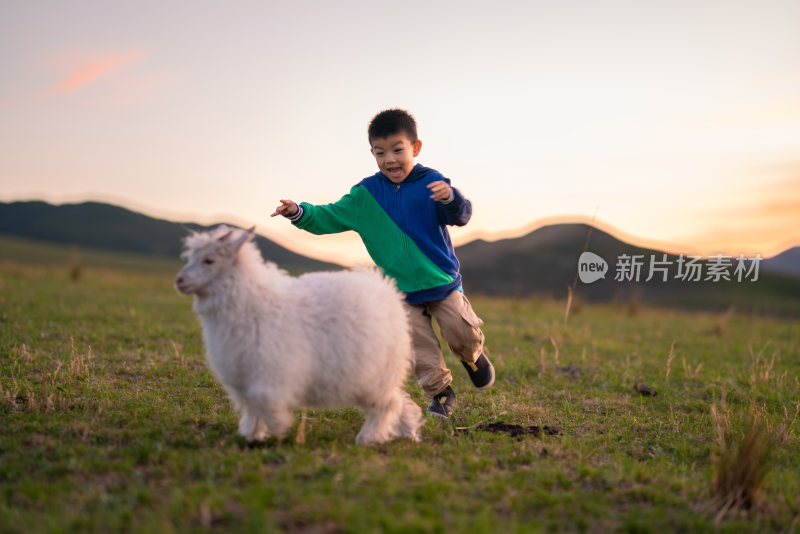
pixel 208 261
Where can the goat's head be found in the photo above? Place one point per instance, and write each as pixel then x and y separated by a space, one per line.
pixel 207 254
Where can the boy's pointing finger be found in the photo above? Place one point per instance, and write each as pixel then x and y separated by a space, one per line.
pixel 280 209
pixel 285 208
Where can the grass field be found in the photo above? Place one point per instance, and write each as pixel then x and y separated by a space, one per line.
pixel 110 421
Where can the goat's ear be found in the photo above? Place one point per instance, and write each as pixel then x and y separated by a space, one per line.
pixel 226 235
pixel 244 238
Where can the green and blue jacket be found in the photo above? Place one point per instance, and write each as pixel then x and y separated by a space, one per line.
pixel 404 230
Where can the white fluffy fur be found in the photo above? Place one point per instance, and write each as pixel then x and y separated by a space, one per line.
pixel 276 342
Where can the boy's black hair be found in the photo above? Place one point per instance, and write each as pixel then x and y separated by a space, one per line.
pixel 390 122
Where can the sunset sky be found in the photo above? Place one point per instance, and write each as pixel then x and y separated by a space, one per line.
pixel 674 123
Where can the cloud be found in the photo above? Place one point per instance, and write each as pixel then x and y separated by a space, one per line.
pixel 82 69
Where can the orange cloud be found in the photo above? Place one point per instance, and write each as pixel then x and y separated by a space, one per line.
pixel 83 70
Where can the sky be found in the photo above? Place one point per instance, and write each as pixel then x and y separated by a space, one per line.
pixel 671 123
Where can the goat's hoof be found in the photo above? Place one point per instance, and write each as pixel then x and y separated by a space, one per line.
pixel 255 444
pixel 250 444
pixel 261 444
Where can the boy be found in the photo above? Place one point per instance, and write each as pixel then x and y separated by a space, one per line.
pixel 401 213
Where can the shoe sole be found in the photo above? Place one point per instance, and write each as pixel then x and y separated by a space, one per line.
pixel 439 415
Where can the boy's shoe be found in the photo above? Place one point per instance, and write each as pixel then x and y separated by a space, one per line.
pixel 444 403
pixel 481 372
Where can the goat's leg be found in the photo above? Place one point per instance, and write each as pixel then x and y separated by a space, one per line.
pixel 251 427
pixel 380 423
pixel 277 418
pixel 410 419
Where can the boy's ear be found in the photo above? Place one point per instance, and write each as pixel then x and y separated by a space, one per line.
pixel 417 147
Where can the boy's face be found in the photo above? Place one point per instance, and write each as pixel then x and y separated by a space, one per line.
pixel 395 155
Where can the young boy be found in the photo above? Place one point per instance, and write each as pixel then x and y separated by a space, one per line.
pixel 401 213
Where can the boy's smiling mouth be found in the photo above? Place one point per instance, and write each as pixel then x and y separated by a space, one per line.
pixel 395 172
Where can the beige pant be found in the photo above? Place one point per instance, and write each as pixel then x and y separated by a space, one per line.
pixel 460 328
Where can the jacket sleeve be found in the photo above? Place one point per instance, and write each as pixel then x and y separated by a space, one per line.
pixel 339 216
pixel 457 212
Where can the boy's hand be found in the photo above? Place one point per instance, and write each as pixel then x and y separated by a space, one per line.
pixel 440 191
pixel 287 209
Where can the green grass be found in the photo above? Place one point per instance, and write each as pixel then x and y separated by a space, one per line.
pixel 111 421
pixel 56 255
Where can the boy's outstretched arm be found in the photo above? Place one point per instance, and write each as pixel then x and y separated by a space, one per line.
pixel 288 208
pixel 340 216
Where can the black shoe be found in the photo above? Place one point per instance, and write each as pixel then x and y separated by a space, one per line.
pixel 481 372
pixel 444 403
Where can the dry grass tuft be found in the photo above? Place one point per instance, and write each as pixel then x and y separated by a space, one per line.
pixel 760 367
pixel 79 363
pixel 75 267
pixel 788 424
pixel 300 437
pixel 739 468
pixel 670 357
pixel 543 369
pixel 688 371
pixel 7 396
pixel 570 292
pixel 578 305
pixel 571 289
pixel 722 323
pixel 22 351
pixel 633 307
pixel 178 354
pixel 555 347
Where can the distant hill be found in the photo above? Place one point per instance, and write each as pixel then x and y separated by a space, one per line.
pixel 787 262
pixel 103 226
pixel 545 262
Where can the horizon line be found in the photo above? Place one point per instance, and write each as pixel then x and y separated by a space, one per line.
pixel 469 237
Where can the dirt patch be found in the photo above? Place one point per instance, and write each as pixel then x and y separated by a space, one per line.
pixel 515 431
pixel 572 371
pixel 644 390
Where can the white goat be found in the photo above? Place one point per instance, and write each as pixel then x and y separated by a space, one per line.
pixel 276 342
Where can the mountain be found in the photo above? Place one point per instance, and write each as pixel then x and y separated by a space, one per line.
pixel 103 226
pixel 545 263
pixel 787 262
